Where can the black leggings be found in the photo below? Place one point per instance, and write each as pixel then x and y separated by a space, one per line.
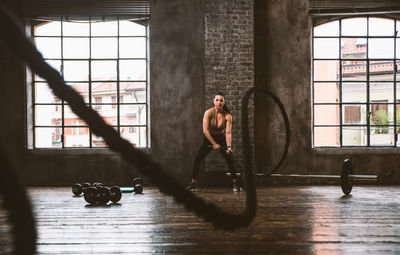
pixel 206 147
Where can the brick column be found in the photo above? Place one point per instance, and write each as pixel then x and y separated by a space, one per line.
pixel 229 64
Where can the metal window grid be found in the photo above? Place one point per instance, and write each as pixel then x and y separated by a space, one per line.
pixel 368 103
pixel 118 104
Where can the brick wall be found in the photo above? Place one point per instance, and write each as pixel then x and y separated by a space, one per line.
pixel 229 63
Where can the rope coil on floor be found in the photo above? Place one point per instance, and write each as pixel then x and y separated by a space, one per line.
pixel 14 38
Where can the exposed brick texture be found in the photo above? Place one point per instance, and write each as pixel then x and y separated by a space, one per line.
pixel 229 63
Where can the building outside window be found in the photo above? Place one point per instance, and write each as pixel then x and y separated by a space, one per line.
pixel 106 62
pixel 356 87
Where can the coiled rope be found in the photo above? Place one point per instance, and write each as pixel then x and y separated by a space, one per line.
pixel 247 151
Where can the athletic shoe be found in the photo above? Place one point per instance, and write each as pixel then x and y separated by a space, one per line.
pixel 192 186
pixel 237 188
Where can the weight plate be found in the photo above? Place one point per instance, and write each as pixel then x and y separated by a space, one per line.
pixel 90 195
pixel 103 195
pixel 138 189
pixel 85 185
pixel 137 181
pixel 77 189
pixel 115 194
pixel 345 182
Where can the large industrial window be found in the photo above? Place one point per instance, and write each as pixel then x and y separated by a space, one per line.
pixel 106 63
pixel 356 85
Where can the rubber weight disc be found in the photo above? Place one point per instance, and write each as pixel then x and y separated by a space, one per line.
pixel 103 195
pixel 345 182
pixel 90 195
pixel 77 189
pixel 115 194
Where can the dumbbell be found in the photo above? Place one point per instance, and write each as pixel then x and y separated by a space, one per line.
pixel 102 195
pixel 97 192
pixel 137 184
pixel 78 188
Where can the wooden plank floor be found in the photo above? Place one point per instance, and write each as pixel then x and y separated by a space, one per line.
pixel 290 220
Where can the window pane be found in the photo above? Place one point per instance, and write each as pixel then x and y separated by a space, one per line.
pixel 381 114
pixel 381 92
pixel 82 89
pixel 130 28
pixel 76 70
pixel 354 27
pixel 132 70
pixel 381 27
pixel 109 28
pixel 354 48
pixel 48 115
pixel 354 136
pixel 326 48
pixel 133 114
pixel 354 92
pixel 354 114
pixel 71 119
pixel 326 70
pixel 398 92
pixel 382 136
pixel 104 70
pixel 398 28
pixel 48 137
pixel 327 92
pixel 327 29
pixel 43 93
pixel 104 90
pixel 75 28
pixel 381 70
pixel 136 135
pixel 49 47
pixel 132 47
pixel 326 136
pixel 98 141
pixel 48 29
pixel 326 115
pixel 354 70
pixel 398 70
pixel 76 48
pixel 55 64
pixel 397 47
pixel 133 92
pixel 104 48
pixel 76 137
pixel 108 113
pixel 381 48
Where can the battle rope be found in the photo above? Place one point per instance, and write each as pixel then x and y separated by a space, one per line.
pixel 19 209
pixel 14 38
pixel 247 151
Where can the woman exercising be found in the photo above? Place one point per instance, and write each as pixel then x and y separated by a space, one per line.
pixel 217 125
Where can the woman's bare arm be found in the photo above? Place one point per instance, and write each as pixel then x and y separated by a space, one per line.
pixel 228 133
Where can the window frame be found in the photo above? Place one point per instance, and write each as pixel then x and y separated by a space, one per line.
pixel 395 61
pixel 31 83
